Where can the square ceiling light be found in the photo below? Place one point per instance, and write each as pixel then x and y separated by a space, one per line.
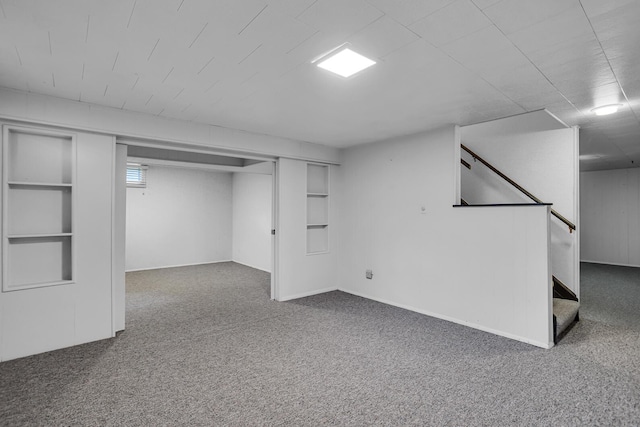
pixel 345 62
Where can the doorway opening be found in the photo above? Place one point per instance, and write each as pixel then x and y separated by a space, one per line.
pixel 192 217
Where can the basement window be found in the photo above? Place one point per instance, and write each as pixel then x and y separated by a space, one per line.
pixel 136 175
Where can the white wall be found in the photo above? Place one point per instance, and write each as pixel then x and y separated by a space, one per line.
pixel 300 274
pixel 183 217
pixel 542 162
pixel 487 268
pixel 252 200
pixel 545 163
pixel 119 237
pixel 610 213
pixel 47 318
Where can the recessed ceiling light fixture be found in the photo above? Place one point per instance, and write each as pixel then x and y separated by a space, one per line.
pixel 606 109
pixel 343 61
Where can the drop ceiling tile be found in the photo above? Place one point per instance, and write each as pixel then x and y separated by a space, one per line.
pixel 616 22
pixel 566 52
pixel 493 57
pixel 148 14
pixel 278 30
pixel 566 112
pixel 483 4
pixel 226 19
pixel 595 8
pixel 68 38
pixel 13 77
pixel 153 22
pixel 381 38
pixel 514 15
pixel 33 45
pixel 109 19
pixel 102 61
pixel 597 96
pixel 526 86
pixel 340 17
pixel 134 58
pixel 618 31
pixel 269 62
pixel 568 26
pixel 451 23
pixel 486 51
pixel 291 7
pixel 8 55
pixel 408 12
pixel 576 77
pixel 316 45
pixel 622 44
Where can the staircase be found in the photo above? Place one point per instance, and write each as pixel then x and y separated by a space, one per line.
pixel 565 309
pixel 565 302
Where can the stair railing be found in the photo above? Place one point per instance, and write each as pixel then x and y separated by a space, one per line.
pixel 560 290
pixel 513 183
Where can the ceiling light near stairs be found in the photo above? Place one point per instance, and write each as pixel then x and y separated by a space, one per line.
pixel 606 109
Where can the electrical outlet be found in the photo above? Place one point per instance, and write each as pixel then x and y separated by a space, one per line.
pixel 369 274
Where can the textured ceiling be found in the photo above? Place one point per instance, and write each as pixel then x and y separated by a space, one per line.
pixel 247 64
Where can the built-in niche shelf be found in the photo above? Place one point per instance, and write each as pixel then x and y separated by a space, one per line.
pixel 39 184
pixel 37 227
pixel 37 236
pixel 317 208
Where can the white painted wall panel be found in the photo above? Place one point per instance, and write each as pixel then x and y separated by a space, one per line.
pixel 48 318
pixel 487 268
pixel 545 163
pixel 119 236
pixel 610 211
pixel 183 217
pixel 252 200
pixel 300 274
pixel 93 237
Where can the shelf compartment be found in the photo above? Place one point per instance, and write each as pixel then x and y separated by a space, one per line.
pixel 37 262
pixel 38 210
pixel 29 151
pixel 317 240
pixel 17 184
pixel 317 210
pixel 317 179
pixel 38 236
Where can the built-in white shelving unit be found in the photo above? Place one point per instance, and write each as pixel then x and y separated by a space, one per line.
pixel 38 175
pixel 317 208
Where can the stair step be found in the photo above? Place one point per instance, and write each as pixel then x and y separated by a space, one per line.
pixel 565 311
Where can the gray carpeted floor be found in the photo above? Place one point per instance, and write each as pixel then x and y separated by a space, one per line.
pixel 205 346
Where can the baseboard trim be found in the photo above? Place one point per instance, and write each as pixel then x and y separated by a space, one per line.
pixel 306 294
pixel 177 265
pixel 251 266
pixel 610 263
pixel 453 320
